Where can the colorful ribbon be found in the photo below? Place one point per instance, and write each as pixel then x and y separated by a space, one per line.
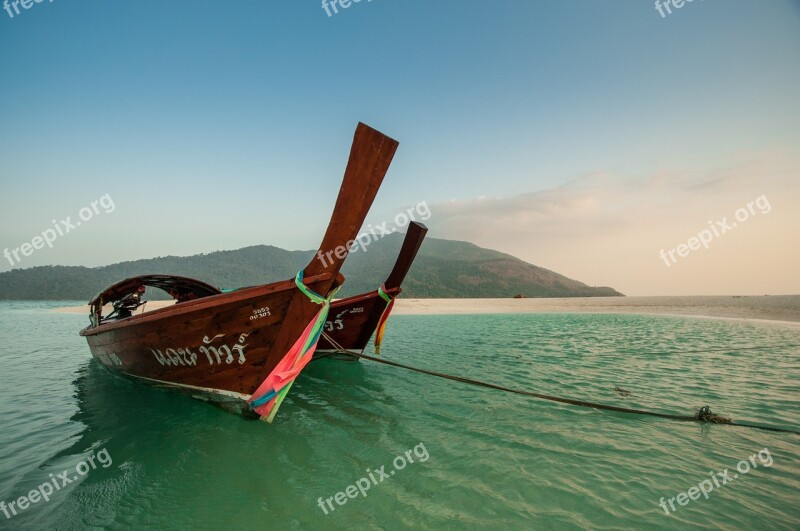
pixel 270 394
pixel 384 317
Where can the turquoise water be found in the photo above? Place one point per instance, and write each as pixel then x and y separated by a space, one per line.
pixel 482 458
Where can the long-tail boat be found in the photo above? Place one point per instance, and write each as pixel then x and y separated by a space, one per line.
pixel 352 321
pixel 242 350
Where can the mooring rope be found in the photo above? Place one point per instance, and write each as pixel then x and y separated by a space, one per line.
pixel 704 414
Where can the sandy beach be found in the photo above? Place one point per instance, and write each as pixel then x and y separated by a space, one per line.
pixel 780 309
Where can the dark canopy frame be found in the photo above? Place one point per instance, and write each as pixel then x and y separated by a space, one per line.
pixel 181 288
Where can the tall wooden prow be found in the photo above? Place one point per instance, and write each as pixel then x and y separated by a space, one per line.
pixel 370 157
pixel 408 252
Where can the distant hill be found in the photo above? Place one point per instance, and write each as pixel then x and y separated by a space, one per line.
pixel 443 268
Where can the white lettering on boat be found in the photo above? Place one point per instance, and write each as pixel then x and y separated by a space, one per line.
pixel 337 324
pixel 259 313
pixel 215 355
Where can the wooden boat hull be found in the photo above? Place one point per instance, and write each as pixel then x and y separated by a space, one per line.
pixel 217 356
pixel 352 321
pixel 222 348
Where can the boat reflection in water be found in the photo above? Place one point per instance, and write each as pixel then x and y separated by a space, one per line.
pixel 165 447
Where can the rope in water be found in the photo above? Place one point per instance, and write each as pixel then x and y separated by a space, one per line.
pixel 703 415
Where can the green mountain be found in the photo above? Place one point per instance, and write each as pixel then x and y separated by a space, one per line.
pixel 443 268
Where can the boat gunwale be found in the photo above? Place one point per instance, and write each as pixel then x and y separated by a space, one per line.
pixel 202 304
pixel 354 299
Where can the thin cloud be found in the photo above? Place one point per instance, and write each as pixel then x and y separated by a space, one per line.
pixel 604 229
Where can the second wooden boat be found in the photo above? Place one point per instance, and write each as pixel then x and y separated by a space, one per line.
pixel 352 321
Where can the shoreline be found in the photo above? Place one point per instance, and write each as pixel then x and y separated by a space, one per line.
pixel 779 309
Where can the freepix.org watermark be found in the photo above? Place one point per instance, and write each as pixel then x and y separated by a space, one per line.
pixel 8 5
pixel 717 229
pixel 667 5
pixel 56 483
pixel 364 484
pixel 329 5
pixel 363 240
pixel 60 228
pixel 717 480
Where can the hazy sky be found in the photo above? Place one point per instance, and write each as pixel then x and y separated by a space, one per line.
pixel 582 136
